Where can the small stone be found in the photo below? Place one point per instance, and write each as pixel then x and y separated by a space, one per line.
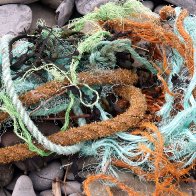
pixel 86 6
pixel 12 184
pixel 71 187
pixel 148 4
pixel 84 174
pixel 158 8
pixel 46 193
pixel 48 128
pixel 3 2
pixel 54 4
pixel 32 164
pixel 189 188
pixel 70 176
pixel 50 158
pixel 42 180
pixel 23 187
pixel 4 192
pixel 14 19
pixel 42 12
pixel 9 139
pixel 65 161
pixel 6 174
pixel 138 185
pixel 190 5
pixel 64 12
pixel 76 194
pixel 98 189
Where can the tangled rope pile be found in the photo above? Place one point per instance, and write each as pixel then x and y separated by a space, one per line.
pixel 158 141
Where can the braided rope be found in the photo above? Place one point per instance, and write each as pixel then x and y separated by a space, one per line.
pixel 50 89
pixel 9 86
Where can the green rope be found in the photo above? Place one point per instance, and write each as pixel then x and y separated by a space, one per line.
pixel 111 11
pixel 18 125
pixel 69 107
pixel 86 46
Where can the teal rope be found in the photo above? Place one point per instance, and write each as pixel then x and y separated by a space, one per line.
pixel 103 54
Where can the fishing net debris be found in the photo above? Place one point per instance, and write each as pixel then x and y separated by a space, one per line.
pixel 124 90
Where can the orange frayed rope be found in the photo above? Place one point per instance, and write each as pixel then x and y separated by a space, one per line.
pixel 155 33
pixel 104 177
pixel 166 174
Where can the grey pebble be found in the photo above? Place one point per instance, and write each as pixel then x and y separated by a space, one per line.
pixel 158 8
pixel 4 192
pixel 70 176
pixel 86 6
pixel 32 164
pixel 9 139
pixel 85 174
pixel 64 12
pixel 14 18
pixel 12 184
pixel 48 128
pixel 23 187
pixel 42 180
pixel 97 188
pixel 190 5
pixel 71 187
pixel 148 4
pixel 76 194
pixel 46 193
pixel 54 4
pixel 3 2
pixel 42 12
pixel 6 174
